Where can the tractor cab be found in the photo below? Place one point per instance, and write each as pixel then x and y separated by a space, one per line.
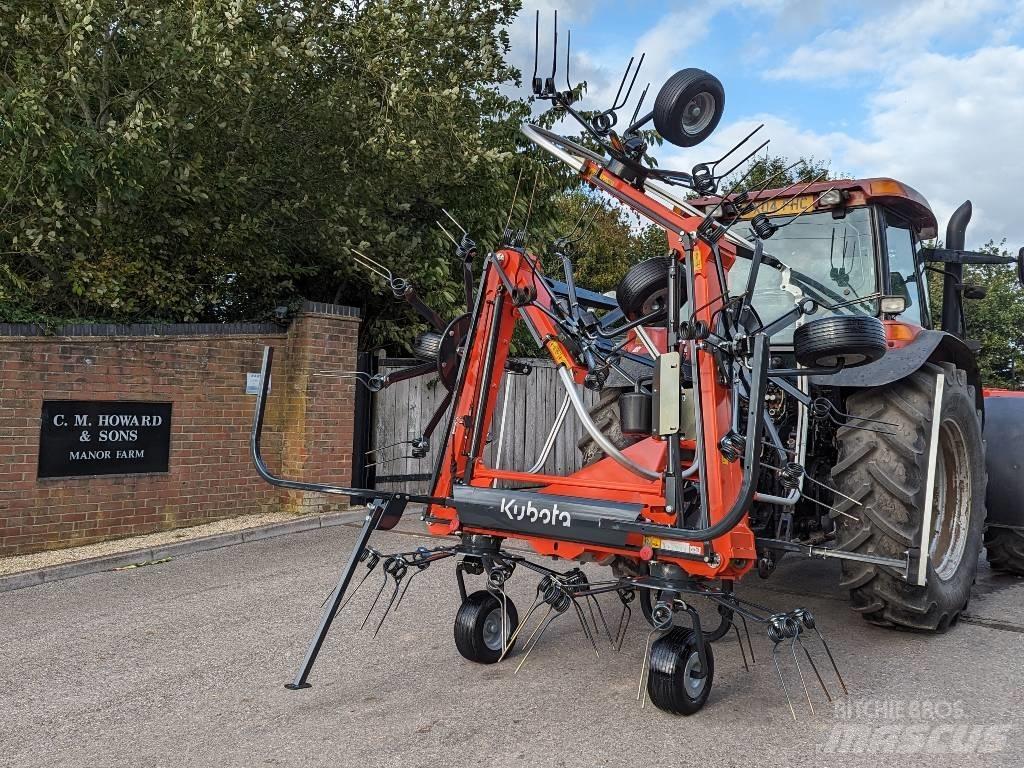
pixel 851 238
pixel 842 240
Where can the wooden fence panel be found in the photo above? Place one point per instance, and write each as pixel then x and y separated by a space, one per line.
pixel 402 411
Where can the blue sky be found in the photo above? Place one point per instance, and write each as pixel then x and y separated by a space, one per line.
pixel 928 91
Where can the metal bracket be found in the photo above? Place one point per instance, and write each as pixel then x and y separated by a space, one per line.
pixel 921 576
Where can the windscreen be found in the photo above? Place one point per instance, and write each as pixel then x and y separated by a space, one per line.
pixel 832 262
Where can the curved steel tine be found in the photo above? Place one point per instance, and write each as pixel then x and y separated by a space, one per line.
pixel 800 672
pixel 782 679
pixel 597 604
pixel 739 641
pixel 750 645
pixel 644 669
pixel 387 609
pixel 815 668
pixel 830 658
pixel 405 589
pixel 504 620
pixel 620 630
pixel 583 623
pixel 374 557
pixel 523 623
pixel 541 627
pixel 374 603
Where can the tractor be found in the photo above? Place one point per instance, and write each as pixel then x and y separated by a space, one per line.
pixel 915 469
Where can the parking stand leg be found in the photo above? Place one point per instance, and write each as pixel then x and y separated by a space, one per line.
pixel 377 511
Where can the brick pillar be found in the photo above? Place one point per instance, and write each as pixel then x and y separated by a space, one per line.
pixel 319 409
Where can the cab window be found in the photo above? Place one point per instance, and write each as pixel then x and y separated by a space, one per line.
pixel 904 276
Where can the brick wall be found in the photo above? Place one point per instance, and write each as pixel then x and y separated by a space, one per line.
pixel 202 371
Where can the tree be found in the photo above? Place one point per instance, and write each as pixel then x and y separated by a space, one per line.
pixel 607 239
pixel 212 160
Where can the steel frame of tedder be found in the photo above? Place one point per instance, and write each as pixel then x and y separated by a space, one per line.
pixel 626 506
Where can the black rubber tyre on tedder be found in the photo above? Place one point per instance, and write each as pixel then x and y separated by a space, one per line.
pixel 478 627
pixel 854 339
pixel 644 287
pixel 671 681
pixel 886 472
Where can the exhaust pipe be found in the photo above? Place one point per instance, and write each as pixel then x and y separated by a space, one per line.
pixel 952 306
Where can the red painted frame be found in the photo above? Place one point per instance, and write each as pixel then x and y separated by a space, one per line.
pixel 604 479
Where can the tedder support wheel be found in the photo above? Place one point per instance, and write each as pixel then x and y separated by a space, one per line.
pixel 1005 547
pixel 478 627
pixel 854 339
pixel 887 474
pixel 674 682
pixel 643 289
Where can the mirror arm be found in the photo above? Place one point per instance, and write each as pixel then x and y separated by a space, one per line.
pixel 956 256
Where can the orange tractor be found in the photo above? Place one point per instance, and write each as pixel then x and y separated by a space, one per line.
pixel 771 385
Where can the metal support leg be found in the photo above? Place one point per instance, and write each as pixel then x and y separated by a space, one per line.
pixel 373 517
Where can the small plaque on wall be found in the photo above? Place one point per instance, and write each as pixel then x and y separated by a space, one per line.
pixel 96 437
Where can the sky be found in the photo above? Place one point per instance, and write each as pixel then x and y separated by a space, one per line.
pixel 930 92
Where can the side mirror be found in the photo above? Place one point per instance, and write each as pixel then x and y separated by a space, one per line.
pixel 1020 267
pixel 689 106
pixel 898 289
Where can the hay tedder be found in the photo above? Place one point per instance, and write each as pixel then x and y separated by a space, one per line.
pixel 771 385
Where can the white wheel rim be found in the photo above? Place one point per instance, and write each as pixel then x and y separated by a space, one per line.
pixel 952 502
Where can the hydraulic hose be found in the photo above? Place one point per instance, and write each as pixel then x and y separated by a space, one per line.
pixel 751 454
pixel 595 432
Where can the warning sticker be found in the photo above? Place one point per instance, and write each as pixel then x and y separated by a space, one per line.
pixel 670 545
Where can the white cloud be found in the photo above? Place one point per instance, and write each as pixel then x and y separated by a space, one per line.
pixel 886 40
pixel 951 127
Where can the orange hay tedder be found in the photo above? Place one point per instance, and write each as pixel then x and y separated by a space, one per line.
pixel 733 426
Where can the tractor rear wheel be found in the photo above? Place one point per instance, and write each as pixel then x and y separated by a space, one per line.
pixel 887 474
pixel 606 416
pixel 1005 548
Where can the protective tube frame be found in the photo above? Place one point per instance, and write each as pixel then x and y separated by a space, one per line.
pixel 594 431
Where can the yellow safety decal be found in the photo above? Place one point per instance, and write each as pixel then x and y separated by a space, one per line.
pixel 558 353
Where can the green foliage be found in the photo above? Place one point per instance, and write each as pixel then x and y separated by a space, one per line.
pixel 211 160
pixel 610 240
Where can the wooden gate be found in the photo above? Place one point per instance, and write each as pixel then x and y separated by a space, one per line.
pixel 530 407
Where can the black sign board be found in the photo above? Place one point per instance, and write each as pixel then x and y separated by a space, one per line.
pixel 96 437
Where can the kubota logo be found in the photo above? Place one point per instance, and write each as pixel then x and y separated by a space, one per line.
pixel 552 516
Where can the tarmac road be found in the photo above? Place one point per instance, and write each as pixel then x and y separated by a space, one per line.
pixel 182 663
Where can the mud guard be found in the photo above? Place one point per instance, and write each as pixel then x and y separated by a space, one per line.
pixel 900 362
pixel 1004 438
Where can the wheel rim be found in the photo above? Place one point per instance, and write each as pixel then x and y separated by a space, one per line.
pixel 694 685
pixel 492 630
pixel 655 302
pixel 951 508
pixel 698 113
